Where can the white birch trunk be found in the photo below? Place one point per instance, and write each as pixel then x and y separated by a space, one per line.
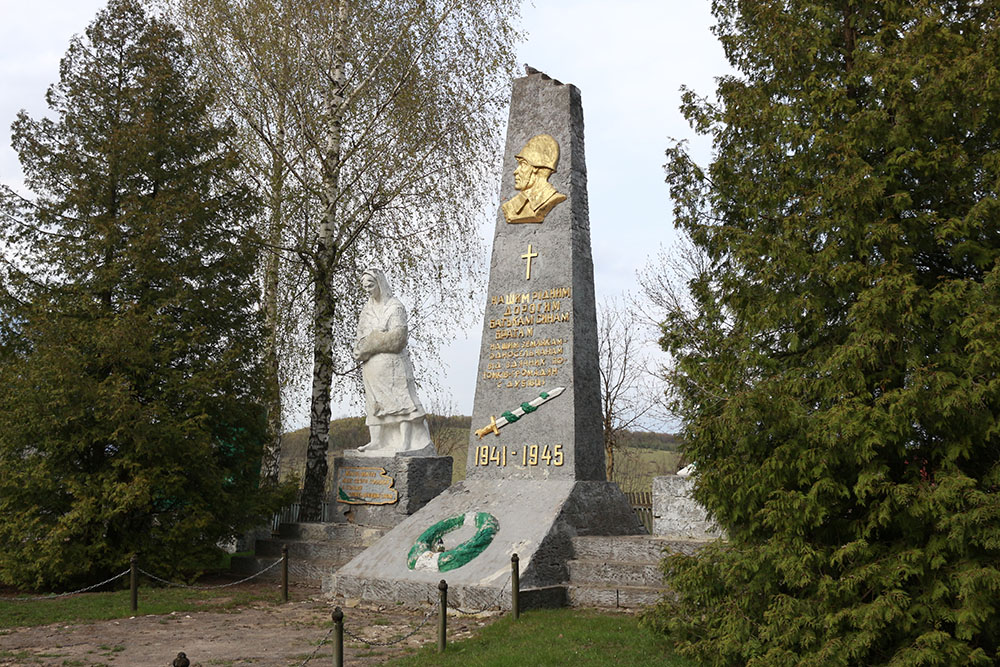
pixel 271 462
pixel 324 308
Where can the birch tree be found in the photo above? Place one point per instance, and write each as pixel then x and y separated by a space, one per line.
pixel 383 117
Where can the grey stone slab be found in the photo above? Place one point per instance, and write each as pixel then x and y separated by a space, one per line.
pixel 541 333
pixel 546 597
pixel 416 479
pixel 298 551
pixel 614 597
pixel 307 573
pixel 338 532
pixel 620 573
pixel 315 550
pixel 676 513
pixel 633 548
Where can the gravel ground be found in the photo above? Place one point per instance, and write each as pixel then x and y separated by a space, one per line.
pixel 261 634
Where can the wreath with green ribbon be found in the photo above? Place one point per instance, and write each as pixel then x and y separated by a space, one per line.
pixel 450 559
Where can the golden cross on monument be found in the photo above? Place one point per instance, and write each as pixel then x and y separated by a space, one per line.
pixel 528 256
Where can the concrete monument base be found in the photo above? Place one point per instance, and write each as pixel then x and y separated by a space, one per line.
pixel 536 519
pixel 383 490
pixel 677 514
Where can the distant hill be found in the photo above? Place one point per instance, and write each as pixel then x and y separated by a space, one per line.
pixel 648 440
pixel 450 436
pixel 448 433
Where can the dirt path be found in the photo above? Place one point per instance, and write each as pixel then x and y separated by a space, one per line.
pixel 263 634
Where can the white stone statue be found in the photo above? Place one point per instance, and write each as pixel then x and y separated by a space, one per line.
pixel 395 417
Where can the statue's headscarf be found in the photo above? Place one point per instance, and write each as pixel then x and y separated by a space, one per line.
pixel 385 292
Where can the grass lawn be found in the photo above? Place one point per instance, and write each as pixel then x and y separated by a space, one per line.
pixel 637 467
pixel 555 637
pixel 117 604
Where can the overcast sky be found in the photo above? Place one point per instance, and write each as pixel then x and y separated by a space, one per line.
pixel 629 59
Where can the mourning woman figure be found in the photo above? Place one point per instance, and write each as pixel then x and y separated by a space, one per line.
pixel 395 417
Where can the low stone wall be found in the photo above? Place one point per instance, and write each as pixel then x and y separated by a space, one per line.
pixel 675 512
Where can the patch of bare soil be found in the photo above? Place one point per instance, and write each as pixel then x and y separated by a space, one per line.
pixel 262 634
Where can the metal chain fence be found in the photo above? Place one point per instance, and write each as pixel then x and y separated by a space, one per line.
pixel 209 588
pixel 53 596
pixel 318 647
pixel 488 607
pixel 394 641
pixel 338 616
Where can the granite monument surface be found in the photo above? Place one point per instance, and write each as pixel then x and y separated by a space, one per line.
pixel 535 468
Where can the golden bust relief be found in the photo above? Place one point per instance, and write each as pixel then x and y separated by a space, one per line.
pixel 536 197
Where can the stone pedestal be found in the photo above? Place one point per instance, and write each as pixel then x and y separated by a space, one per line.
pixel 677 514
pixel 382 491
pixel 537 520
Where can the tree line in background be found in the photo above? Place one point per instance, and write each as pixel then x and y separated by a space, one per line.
pixel 640 455
pixel 450 435
pixel 838 361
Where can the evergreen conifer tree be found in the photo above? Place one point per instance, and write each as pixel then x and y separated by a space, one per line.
pixel 130 416
pixel 839 373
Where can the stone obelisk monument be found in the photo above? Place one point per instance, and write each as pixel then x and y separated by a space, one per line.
pixel 540 329
pixel 535 469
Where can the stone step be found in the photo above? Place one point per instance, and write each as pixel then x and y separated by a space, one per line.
pixel 333 551
pixel 303 552
pixel 322 532
pixel 629 597
pixel 603 573
pixel 315 550
pixel 302 573
pixel 632 548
